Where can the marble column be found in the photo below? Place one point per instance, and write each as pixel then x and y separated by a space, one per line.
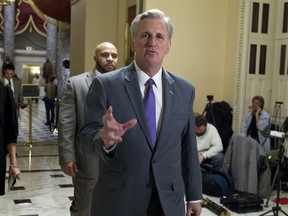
pixel 51 46
pixel 9 34
pixel 63 73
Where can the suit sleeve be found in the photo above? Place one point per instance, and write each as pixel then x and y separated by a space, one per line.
pixel 20 93
pixel 67 125
pixel 89 141
pixel 11 120
pixel 190 162
pixel 264 122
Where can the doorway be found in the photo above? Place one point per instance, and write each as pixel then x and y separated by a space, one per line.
pixel 264 69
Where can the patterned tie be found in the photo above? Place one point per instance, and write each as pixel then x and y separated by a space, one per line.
pixel 150 110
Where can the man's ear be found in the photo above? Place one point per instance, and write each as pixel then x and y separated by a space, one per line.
pixel 132 45
pixel 168 49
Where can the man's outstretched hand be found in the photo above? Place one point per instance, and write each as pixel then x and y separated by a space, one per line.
pixel 113 131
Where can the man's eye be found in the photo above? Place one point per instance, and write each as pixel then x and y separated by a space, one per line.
pixel 105 55
pixel 145 36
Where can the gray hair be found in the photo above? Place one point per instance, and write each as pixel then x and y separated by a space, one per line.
pixel 259 98
pixel 154 14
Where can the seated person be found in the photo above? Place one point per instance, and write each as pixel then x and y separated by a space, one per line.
pixel 209 143
pixel 256 123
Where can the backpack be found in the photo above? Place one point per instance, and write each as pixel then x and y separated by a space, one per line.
pixel 217 183
pixel 221 117
pixel 243 202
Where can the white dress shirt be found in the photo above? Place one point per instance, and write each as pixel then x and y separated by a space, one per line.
pixel 157 89
pixel 6 82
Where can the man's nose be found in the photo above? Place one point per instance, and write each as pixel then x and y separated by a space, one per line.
pixel 110 58
pixel 152 41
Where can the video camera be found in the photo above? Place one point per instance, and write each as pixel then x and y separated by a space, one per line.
pixel 210 97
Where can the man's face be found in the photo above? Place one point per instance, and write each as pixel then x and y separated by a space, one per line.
pixel 200 130
pixel 151 43
pixel 8 74
pixel 106 59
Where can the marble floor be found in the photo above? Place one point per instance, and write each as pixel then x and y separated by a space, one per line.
pixel 44 190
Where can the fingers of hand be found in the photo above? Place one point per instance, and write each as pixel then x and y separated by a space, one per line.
pixel 113 131
pixel 129 124
pixel 75 169
pixel 69 172
pixel 110 137
pixel 108 117
pixel 15 171
pixel 69 168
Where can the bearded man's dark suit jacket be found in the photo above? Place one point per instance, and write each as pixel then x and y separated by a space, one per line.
pixel 126 175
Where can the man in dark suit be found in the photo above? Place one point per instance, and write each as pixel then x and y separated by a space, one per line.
pixel 138 175
pixel 11 80
pixel 84 170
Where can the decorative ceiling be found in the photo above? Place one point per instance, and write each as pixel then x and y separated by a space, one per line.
pixel 36 13
pixel 57 9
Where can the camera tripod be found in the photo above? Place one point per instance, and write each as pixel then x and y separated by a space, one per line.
pixel 276 120
pixel 276 209
pixel 208 110
pixel 276 117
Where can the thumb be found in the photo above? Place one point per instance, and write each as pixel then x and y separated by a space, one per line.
pixel 129 124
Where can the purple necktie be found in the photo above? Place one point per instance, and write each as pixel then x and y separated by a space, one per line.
pixel 150 110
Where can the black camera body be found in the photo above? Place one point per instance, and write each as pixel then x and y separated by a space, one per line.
pixel 210 97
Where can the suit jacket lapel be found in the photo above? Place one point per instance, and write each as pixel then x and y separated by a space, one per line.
pixel 132 83
pixel 90 76
pixel 168 101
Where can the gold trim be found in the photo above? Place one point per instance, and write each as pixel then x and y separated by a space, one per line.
pixel 48 19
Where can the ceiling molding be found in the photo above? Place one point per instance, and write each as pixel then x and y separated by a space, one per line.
pixel 74 2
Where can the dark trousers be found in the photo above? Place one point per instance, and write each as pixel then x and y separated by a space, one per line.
pixel 49 106
pixel 216 161
pixel 154 207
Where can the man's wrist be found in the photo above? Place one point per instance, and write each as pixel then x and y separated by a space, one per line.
pixel 110 148
pixel 194 201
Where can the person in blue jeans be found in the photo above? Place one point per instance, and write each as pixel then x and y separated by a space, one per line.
pixel 49 99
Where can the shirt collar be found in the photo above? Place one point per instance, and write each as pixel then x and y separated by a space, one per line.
pixel 97 72
pixel 143 77
pixel 6 81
